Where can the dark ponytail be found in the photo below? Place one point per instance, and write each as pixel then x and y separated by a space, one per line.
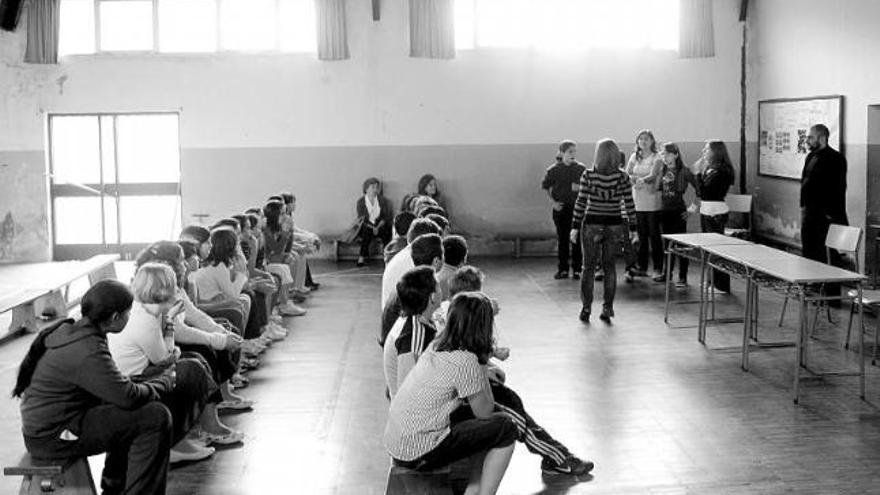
pixel 99 304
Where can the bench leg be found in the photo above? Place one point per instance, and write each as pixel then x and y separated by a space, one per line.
pixel 53 305
pixel 413 483
pixel 104 273
pixel 336 251
pixel 24 318
pixel 75 480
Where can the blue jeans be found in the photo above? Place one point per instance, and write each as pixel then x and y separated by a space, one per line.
pixel 601 243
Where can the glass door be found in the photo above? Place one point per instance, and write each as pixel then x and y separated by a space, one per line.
pixel 115 182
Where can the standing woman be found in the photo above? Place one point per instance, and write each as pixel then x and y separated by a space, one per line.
pixel 715 175
pixel 644 167
pixel 604 195
pixel 561 183
pixel 673 183
pixel 375 217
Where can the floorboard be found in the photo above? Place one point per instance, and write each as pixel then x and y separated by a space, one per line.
pixel 658 412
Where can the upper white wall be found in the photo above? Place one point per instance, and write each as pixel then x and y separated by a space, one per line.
pixel 382 97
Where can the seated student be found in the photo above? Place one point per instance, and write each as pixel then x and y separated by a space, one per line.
pixel 280 260
pixel 223 276
pixel 418 202
pixel 374 216
pixel 419 296
pixel 402 261
pixel 557 459
pixel 428 187
pixel 427 250
pixel 76 403
pixel 429 423
pixel 146 347
pixel 455 251
pixel 402 221
pixel 260 281
pixel 430 209
pixel 309 241
pixel 195 331
pixel 441 222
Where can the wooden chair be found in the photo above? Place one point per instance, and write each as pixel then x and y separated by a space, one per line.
pixel 63 477
pixel 843 239
pixel 740 204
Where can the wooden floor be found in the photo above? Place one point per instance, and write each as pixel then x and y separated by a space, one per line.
pixel 656 411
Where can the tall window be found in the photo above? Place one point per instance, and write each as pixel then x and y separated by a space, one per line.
pixel 186 26
pixel 115 182
pixel 566 25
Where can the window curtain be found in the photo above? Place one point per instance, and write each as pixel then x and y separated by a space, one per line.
pixel 431 28
pixel 696 30
pixel 332 37
pixel 42 32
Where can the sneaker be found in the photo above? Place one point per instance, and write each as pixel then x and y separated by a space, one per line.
pixel 314 286
pixel 606 315
pixel 235 405
pixel 629 277
pixel 560 275
pixel 572 465
pixel 639 273
pixel 599 276
pixel 576 275
pixel 273 333
pixel 291 309
pixel 659 277
pixel 681 284
pixel 585 315
pixel 232 437
pixel 360 261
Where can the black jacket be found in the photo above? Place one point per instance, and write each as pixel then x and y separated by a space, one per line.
pixel 75 374
pixel 385 210
pixel 823 185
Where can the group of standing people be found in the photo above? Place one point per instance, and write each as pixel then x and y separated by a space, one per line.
pixel 624 206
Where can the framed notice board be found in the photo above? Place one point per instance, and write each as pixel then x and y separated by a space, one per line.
pixel 782 132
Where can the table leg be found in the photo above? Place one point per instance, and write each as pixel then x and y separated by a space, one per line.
pixel 862 344
pixel 668 280
pixel 747 319
pixel 799 343
pixel 701 321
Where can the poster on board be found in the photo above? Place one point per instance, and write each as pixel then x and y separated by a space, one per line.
pixel 782 132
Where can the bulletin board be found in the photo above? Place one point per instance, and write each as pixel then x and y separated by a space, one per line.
pixel 782 132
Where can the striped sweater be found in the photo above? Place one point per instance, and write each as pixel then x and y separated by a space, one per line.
pixel 604 199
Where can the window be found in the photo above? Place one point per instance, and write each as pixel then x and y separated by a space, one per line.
pixel 186 26
pixel 567 25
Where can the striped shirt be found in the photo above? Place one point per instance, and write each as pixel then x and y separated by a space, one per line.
pixel 418 419
pixel 407 340
pixel 602 199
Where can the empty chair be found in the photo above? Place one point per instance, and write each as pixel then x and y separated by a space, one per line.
pixel 740 204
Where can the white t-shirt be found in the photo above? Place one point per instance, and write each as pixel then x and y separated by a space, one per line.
pixel 140 342
pixel 400 264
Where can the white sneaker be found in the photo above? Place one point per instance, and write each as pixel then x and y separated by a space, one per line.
pixel 189 451
pixel 291 309
pixel 281 329
pixel 273 333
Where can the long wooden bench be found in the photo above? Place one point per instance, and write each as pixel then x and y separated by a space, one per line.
pixel 519 238
pixel 63 477
pixel 35 289
pixel 350 250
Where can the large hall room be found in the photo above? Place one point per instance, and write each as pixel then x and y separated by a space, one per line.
pixel 435 247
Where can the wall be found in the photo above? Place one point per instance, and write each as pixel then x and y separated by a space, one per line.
pixel 810 48
pixel 485 123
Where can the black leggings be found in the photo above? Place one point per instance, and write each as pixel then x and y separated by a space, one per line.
pixel 675 222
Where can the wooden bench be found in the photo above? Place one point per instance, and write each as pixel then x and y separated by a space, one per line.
pixel 406 481
pixel 350 250
pixel 44 288
pixel 64 477
pixel 520 238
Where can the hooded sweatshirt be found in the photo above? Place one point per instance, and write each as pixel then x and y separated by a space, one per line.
pixel 75 374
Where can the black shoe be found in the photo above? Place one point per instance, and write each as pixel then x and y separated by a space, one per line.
pixel 572 465
pixel 599 276
pixel 361 261
pixel 314 286
pixel 576 275
pixel 606 315
pixel 585 315
pixel 560 275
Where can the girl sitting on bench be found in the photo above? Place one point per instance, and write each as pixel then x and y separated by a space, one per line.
pixel 76 403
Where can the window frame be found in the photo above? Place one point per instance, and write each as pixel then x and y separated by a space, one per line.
pixel 218 50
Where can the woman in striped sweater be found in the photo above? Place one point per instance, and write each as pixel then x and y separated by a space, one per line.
pixel 605 192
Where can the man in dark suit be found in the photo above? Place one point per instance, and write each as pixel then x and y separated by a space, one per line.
pixel 823 194
pixel 823 199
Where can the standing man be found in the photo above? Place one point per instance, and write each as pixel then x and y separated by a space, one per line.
pixel 561 181
pixel 823 194
pixel 823 198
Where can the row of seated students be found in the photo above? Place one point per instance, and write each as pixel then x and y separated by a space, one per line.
pixel 145 371
pixel 450 400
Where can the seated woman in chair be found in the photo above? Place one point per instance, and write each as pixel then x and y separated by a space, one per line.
pixel 374 218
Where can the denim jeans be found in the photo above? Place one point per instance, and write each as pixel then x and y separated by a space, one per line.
pixel 603 241
pixel 675 222
pixel 648 225
pixel 562 220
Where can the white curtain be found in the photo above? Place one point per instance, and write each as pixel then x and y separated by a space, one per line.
pixel 431 28
pixel 696 29
pixel 332 36
pixel 42 32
